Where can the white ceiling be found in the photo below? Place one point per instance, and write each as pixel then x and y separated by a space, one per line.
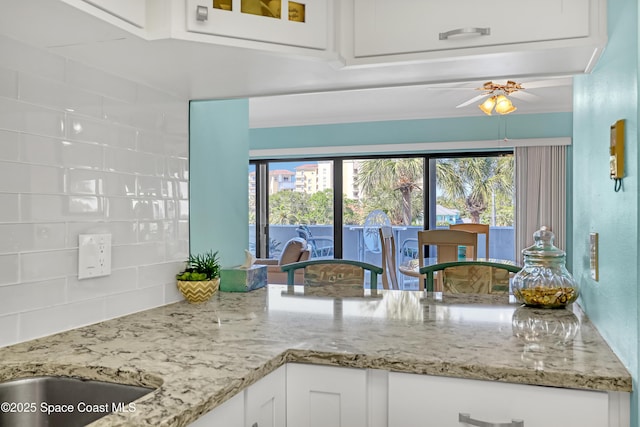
pixel 285 89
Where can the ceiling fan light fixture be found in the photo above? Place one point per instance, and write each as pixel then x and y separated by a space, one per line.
pixel 487 105
pixel 504 105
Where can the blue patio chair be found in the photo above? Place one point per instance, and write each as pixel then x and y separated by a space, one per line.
pixel 321 246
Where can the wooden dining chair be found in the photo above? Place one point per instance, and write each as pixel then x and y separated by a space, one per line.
pixel 333 271
pixel 499 277
pixel 447 243
pixel 389 265
pixel 478 229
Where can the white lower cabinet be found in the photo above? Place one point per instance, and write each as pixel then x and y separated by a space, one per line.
pixel 229 414
pixel 299 395
pixel 422 400
pixel 324 396
pixel 265 401
pixel 262 404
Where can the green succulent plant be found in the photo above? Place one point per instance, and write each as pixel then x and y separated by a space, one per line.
pixel 201 267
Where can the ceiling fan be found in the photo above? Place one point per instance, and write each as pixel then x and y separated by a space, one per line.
pixel 497 95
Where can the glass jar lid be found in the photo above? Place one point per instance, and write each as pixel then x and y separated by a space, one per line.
pixel 543 246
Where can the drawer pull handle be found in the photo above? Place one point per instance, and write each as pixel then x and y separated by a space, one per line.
pixel 254 425
pixel 480 31
pixel 466 418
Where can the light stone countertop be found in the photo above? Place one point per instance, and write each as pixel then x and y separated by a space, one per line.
pixel 201 355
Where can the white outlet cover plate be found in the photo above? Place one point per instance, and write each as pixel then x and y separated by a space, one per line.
pixel 94 255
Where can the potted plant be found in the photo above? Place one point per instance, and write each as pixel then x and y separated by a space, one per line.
pixel 201 277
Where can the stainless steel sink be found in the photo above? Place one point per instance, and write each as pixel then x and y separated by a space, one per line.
pixel 63 401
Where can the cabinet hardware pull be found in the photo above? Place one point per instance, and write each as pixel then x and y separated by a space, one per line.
pixel 254 425
pixel 480 31
pixel 466 418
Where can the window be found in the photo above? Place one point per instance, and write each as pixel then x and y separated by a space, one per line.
pixel 413 193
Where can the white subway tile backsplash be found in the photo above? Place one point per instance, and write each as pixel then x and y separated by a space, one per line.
pixel 127 161
pixel 146 209
pixel 149 186
pixel 176 146
pixel 32 237
pixel 25 178
pixel 172 293
pixel 32 296
pixel 183 189
pixel 8 83
pixel 137 255
pixel 151 231
pixel 20 116
pixel 59 95
pixel 21 57
pixel 178 168
pixel 9 269
pixel 9 145
pixel 122 232
pixel 150 142
pixel 41 149
pixel 82 151
pixel 177 250
pixel 83 181
pixel 119 184
pixel 35 266
pixel 60 318
pixel 9 330
pixel 120 209
pixel 119 281
pixel 9 207
pixel 97 81
pixel 81 155
pixel 43 208
pixel 159 274
pixel 131 302
pixel 183 209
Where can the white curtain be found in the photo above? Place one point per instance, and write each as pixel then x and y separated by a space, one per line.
pixel 540 194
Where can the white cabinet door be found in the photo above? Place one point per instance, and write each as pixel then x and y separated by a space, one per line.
pixel 229 414
pixel 421 400
pixel 324 396
pixel 383 27
pixel 313 33
pixel 265 401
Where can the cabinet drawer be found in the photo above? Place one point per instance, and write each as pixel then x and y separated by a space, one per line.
pixel 383 27
pixel 417 400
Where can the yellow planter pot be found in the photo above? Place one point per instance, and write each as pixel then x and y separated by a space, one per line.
pixel 198 291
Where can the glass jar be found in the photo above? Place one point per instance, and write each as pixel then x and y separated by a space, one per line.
pixel 544 280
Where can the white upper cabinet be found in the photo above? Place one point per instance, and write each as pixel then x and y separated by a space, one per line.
pixel 420 30
pixel 383 27
pixel 303 23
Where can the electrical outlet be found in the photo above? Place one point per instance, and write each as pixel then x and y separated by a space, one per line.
pixel 94 255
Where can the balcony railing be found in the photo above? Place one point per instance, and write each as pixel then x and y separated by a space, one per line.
pixel 501 241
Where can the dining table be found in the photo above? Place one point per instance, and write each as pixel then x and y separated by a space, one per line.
pixel 430 265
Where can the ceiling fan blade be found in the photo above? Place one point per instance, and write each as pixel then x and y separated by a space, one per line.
pixel 471 101
pixel 525 96
pixel 565 81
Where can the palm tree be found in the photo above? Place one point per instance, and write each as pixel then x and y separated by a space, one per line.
pixel 474 180
pixel 390 175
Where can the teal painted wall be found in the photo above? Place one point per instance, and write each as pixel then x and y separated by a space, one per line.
pixel 414 131
pixel 600 99
pixel 218 183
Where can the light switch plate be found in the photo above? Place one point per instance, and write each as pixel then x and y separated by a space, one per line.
pixel 94 255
